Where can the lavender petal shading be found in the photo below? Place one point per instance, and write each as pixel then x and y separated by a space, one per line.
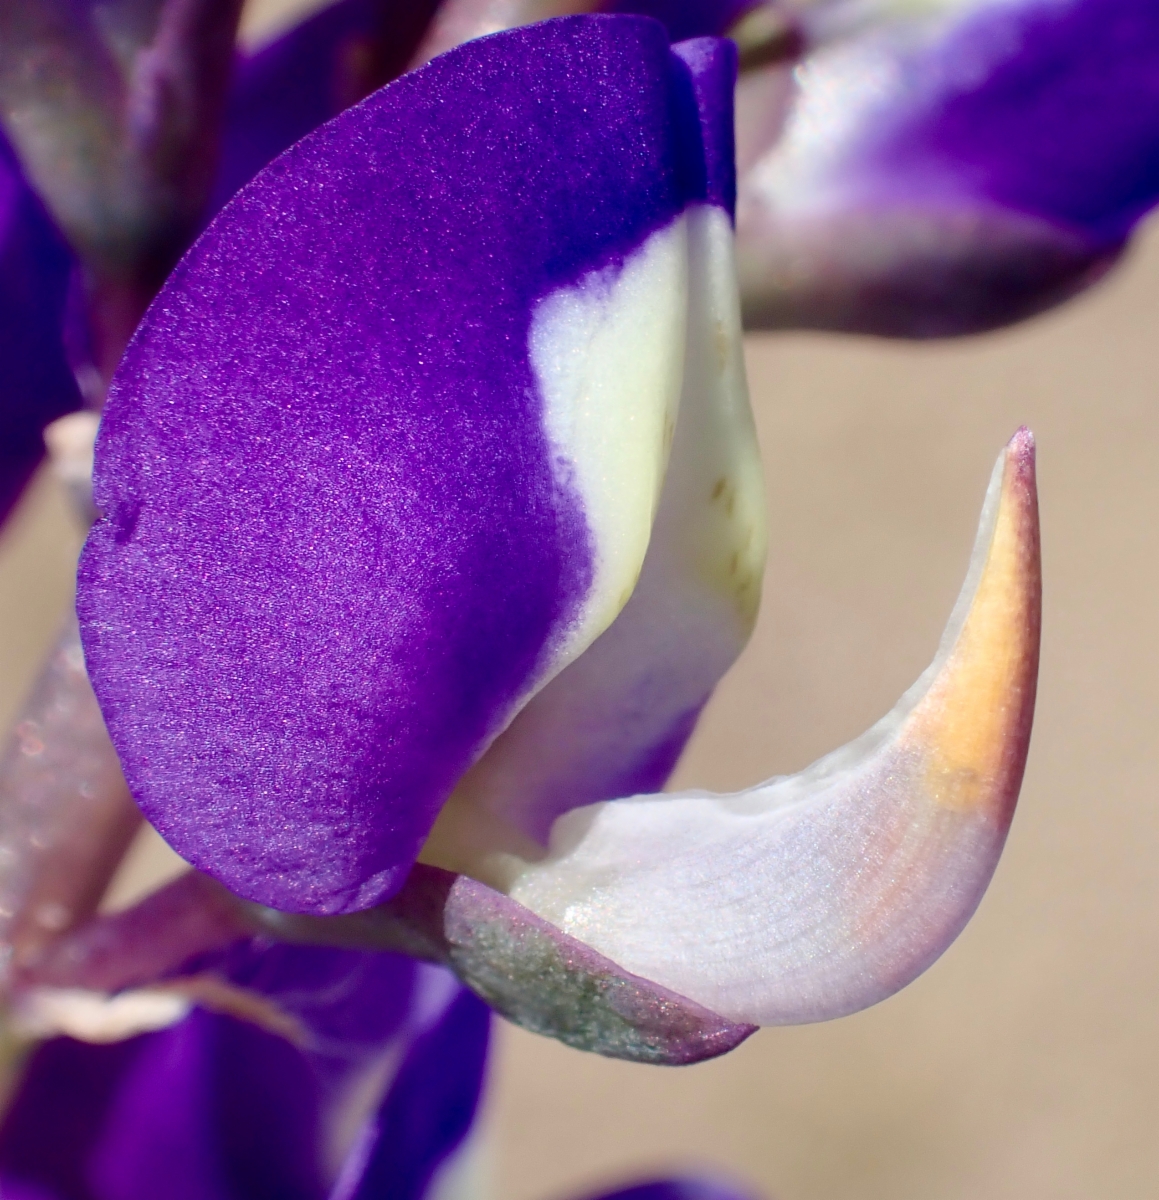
pixel 938 174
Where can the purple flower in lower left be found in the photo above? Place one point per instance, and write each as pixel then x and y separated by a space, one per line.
pixel 310 1074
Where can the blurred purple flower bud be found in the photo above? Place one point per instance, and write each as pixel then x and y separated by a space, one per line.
pixel 947 169
pixel 36 384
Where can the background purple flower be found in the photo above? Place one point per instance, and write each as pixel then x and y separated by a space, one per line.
pixel 940 174
pixel 36 383
pixel 217 1108
pixel 321 66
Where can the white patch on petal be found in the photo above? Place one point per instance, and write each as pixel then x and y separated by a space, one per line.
pixel 688 619
pixel 608 356
pixel 93 1016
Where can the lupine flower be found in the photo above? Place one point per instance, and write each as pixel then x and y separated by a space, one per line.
pixel 431 516
pixel 430 491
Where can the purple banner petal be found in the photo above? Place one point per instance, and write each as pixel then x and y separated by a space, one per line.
pixel 336 551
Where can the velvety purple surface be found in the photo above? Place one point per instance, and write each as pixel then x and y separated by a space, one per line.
pixel 218 1109
pixel 310 74
pixel 334 549
pixel 36 384
pixel 1065 124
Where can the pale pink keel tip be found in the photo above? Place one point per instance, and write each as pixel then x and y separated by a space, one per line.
pixel 815 895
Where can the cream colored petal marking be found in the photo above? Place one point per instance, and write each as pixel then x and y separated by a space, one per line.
pixel 601 721
pixel 608 357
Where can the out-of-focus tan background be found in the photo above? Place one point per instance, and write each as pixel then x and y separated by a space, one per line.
pixel 1025 1064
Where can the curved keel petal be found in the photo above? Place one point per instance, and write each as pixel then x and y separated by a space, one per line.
pixel 816 895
